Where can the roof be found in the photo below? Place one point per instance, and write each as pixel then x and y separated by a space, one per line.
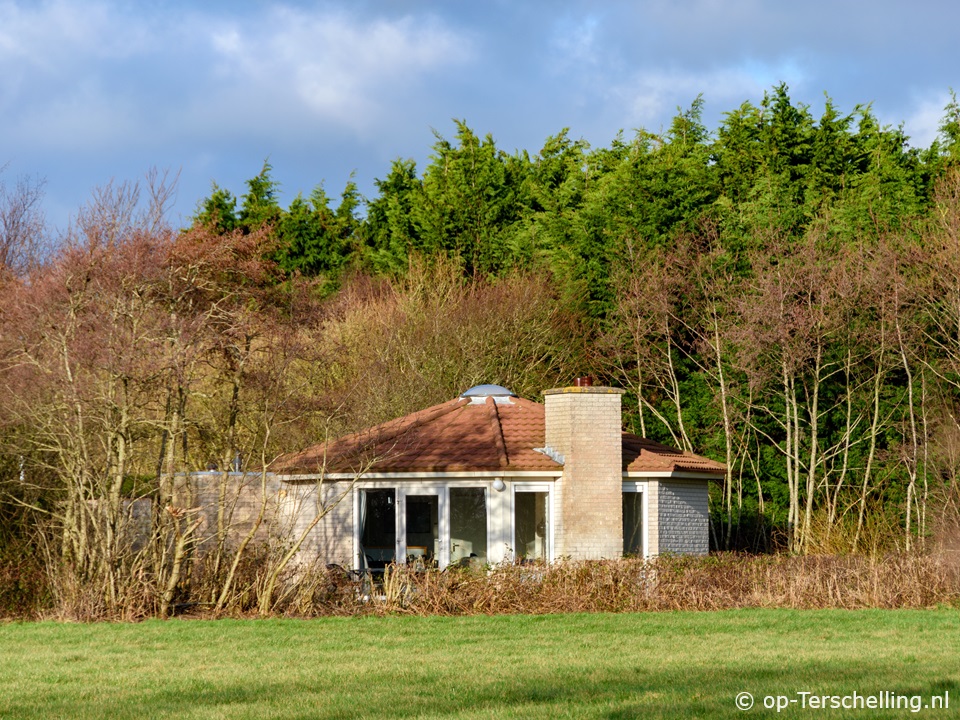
pixel 642 455
pixel 471 434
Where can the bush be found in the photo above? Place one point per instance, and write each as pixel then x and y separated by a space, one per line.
pixel 715 582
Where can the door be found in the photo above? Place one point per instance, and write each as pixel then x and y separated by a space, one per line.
pixel 532 531
pixel 423 527
pixel 468 525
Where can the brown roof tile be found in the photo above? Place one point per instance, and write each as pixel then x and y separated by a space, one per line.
pixel 642 455
pixel 461 435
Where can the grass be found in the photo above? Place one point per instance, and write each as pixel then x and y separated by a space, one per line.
pixel 578 666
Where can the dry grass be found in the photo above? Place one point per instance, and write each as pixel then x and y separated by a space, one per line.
pixel 717 582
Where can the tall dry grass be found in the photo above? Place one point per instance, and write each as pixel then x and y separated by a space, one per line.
pixel 717 582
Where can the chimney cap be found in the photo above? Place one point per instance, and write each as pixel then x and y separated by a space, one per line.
pixel 585 390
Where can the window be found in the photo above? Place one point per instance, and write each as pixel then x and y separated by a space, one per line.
pixel 633 523
pixel 634 514
pixel 378 522
pixel 531 523
pixel 468 525
pixel 429 524
pixel 423 528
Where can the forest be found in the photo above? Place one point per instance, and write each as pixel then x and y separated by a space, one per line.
pixel 780 293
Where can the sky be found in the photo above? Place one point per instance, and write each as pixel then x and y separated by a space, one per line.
pixel 101 91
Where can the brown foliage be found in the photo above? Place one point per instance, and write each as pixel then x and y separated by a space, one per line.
pixel 716 582
pixel 422 340
pixel 136 353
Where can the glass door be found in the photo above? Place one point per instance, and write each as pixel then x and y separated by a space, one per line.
pixel 468 525
pixel 423 528
pixel 378 528
pixel 531 523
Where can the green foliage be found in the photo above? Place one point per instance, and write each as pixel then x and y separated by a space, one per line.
pixel 259 207
pixel 469 202
pixel 391 229
pixel 218 211
pixel 312 238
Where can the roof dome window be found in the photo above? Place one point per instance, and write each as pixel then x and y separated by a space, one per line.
pixel 479 393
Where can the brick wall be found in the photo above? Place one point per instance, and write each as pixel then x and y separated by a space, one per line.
pixel 331 539
pixel 584 426
pixel 239 495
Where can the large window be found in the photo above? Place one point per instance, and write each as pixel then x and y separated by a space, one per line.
pixel 531 523
pixel 426 523
pixel 438 522
pixel 633 523
pixel 378 523
pixel 468 525
pixel 423 528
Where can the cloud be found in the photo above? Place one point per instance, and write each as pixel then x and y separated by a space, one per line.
pixel 53 36
pixel 91 72
pixel 575 42
pixel 923 124
pixel 338 68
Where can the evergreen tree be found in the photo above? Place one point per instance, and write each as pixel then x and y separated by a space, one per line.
pixel 392 232
pixel 259 206
pixel 219 211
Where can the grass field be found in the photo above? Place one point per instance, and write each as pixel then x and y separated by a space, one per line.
pixel 595 666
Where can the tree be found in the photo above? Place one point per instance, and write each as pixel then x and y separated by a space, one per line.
pixel 391 228
pixel 21 225
pixel 218 211
pixel 259 206
pixel 312 238
pixel 469 202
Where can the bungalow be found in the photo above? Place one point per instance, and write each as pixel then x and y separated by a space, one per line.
pixel 490 476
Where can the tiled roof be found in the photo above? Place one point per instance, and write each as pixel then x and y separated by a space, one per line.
pixel 461 435
pixel 642 455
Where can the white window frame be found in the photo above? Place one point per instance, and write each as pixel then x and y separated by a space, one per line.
pixel 443 519
pixel 634 486
pixel 551 517
pixel 442 490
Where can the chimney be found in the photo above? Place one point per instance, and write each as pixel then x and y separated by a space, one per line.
pixel 583 427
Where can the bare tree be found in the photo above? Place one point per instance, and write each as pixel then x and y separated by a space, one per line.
pixel 22 225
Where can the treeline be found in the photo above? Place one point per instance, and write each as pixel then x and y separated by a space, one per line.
pixel 770 292
pixel 782 294
pixel 576 212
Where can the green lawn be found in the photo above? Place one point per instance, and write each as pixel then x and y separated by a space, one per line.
pixel 602 666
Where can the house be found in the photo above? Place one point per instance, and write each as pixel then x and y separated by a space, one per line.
pixel 490 476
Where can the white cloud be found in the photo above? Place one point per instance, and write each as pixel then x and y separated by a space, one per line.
pixel 100 76
pixel 53 36
pixel 56 58
pixel 923 123
pixel 653 95
pixel 337 67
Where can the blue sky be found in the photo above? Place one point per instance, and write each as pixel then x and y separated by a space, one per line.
pixel 93 91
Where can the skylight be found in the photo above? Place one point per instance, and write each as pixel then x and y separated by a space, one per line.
pixel 479 393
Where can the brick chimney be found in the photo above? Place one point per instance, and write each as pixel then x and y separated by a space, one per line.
pixel 583 427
